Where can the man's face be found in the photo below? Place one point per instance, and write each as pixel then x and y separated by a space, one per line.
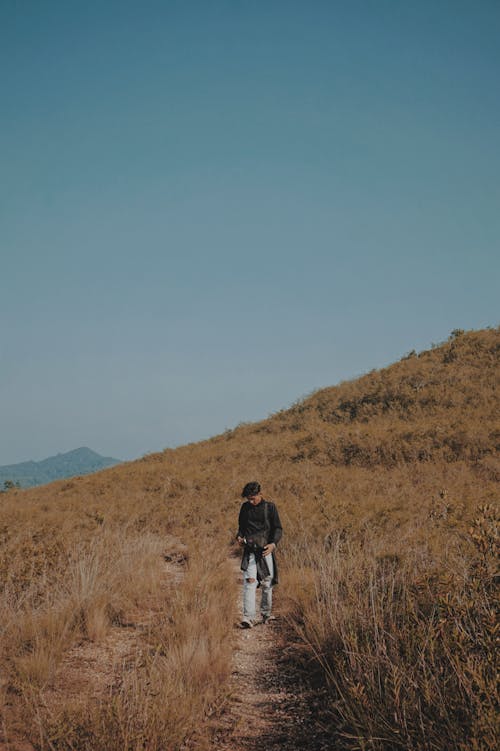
pixel 255 499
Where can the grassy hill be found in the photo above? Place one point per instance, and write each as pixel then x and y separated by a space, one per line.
pixel 386 486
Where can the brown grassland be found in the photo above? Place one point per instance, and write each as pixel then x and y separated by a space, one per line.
pixel 386 486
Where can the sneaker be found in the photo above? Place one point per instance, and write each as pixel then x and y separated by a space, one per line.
pixel 267 618
pixel 246 623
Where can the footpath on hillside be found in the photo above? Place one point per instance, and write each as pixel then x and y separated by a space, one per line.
pixel 271 706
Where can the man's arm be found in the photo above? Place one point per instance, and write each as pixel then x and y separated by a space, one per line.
pixel 276 528
pixel 241 524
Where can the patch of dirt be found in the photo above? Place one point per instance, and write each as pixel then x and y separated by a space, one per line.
pixel 102 664
pixel 16 746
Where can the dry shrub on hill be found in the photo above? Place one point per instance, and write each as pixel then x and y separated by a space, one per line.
pixel 438 407
pixel 407 642
pixel 85 576
pixel 173 681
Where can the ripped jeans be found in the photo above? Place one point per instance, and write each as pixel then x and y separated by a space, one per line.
pixel 250 588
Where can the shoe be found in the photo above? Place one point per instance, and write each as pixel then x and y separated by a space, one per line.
pixel 267 618
pixel 246 623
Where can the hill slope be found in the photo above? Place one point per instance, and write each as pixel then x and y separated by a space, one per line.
pixel 396 439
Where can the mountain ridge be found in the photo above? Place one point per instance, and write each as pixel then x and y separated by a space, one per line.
pixel 64 465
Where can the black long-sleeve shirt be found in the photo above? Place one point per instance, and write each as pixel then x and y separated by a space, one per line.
pixel 261 522
pixel 252 521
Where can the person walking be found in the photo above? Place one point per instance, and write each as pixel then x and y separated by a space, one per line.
pixel 259 531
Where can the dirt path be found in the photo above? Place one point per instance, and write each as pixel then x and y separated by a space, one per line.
pixel 271 707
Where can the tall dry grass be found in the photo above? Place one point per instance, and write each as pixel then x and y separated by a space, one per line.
pixel 77 594
pixel 177 665
pixel 173 683
pixel 406 641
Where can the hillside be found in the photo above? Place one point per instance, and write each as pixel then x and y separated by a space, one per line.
pixel 437 406
pixel 386 487
pixel 81 461
pixel 417 438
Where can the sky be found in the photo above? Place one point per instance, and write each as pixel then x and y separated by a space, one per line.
pixel 210 209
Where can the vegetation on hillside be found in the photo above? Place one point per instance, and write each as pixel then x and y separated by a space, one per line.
pixel 386 487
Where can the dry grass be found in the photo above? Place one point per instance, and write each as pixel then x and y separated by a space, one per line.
pixel 406 641
pixel 378 481
pixel 170 685
pixel 177 660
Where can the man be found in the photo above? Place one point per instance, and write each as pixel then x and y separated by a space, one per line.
pixel 259 531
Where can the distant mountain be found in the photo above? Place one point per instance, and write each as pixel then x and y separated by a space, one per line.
pixel 82 461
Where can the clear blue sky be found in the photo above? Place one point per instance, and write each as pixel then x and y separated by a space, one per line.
pixel 209 209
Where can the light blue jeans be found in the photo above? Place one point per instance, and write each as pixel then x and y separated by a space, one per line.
pixel 250 588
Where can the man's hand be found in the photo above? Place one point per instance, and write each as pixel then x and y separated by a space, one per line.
pixel 241 540
pixel 270 548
